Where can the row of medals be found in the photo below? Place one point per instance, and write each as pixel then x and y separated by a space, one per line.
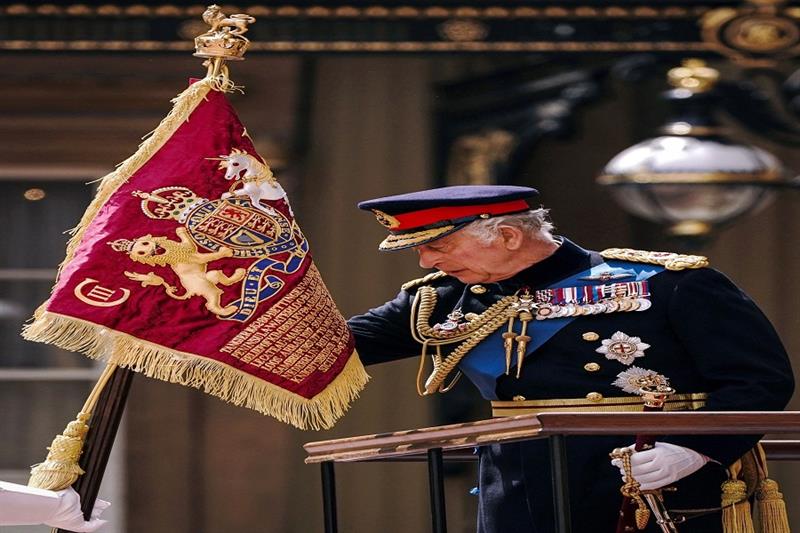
pixel 544 311
pixel 541 309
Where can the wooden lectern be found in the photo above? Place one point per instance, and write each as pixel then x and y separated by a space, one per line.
pixel 452 442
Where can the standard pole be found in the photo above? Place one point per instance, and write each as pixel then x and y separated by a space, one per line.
pixel 558 465
pixel 436 482
pixel 102 430
pixel 329 497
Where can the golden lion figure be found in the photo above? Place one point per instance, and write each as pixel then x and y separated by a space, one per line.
pixel 219 22
pixel 189 265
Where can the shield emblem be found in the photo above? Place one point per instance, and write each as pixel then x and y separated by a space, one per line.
pixel 236 224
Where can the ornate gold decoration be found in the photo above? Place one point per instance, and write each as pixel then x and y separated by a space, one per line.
pixel 423 280
pixel 372 46
pixel 226 37
pixel 694 75
pixel 757 34
pixel 634 380
pixel 669 260
pixel 472 157
pixel 461 30
pixel 763 33
pixel 321 11
pixel 386 219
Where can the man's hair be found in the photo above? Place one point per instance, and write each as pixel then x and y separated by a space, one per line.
pixel 535 224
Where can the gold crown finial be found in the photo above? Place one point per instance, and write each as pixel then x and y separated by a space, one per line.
pixel 226 38
pixel 694 75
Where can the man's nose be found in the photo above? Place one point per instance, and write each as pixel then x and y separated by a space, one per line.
pixel 426 257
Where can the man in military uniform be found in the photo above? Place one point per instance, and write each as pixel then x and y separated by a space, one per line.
pixel 538 323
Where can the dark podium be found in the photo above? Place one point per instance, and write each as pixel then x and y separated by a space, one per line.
pixel 454 442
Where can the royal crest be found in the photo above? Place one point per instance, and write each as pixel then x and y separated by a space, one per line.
pixel 229 227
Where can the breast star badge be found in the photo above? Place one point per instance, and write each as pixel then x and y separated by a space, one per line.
pixel 622 348
pixel 635 378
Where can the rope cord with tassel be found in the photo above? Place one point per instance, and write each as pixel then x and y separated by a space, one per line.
pixel 60 469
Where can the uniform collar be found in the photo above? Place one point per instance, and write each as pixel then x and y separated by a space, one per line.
pixel 567 260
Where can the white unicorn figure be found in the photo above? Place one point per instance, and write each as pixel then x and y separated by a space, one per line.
pixel 256 178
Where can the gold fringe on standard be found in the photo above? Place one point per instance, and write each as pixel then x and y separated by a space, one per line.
pixel 736 512
pixel 60 469
pixel 771 507
pixel 208 375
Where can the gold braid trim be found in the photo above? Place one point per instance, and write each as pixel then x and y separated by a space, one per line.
pixel 486 324
pixel 208 375
pixel 424 279
pixel 669 260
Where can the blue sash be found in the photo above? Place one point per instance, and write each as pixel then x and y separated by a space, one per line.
pixel 486 362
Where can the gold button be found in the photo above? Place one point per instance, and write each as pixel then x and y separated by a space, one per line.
pixel 591 367
pixel 590 336
pixel 519 398
pixel 594 397
pixel 477 289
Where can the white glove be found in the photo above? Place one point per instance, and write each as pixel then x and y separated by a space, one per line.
pixel 23 505
pixel 69 516
pixel 662 465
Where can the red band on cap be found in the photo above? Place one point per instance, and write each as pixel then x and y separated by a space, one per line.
pixel 426 217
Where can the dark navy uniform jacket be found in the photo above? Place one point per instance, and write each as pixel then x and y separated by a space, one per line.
pixel 705 336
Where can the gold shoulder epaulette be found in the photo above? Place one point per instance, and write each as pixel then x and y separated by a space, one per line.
pixel 669 260
pixel 424 279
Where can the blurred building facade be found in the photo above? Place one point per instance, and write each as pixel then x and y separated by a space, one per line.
pixel 338 129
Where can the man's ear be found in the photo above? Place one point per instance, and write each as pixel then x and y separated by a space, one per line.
pixel 512 236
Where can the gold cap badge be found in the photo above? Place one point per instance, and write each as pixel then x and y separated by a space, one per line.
pixel 385 219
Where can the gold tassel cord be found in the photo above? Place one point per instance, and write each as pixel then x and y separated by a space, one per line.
pixel 771 508
pixel 736 512
pixel 60 469
pixel 770 504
